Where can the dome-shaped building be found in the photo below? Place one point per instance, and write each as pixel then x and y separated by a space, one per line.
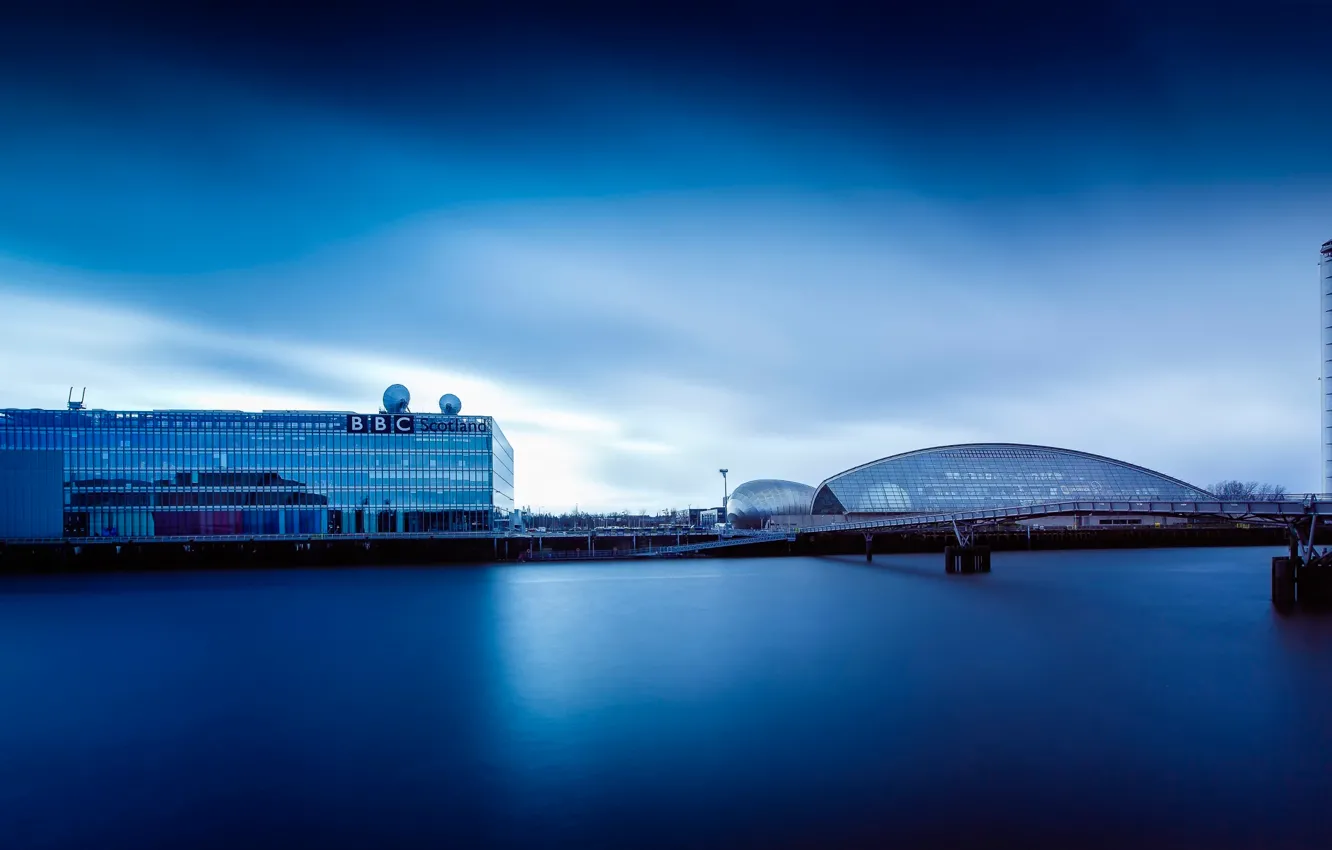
pixel 990 475
pixel 753 503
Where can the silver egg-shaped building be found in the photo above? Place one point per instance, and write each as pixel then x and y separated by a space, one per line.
pixel 755 502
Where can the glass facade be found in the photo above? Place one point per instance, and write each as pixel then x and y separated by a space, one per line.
pixel 205 473
pixel 982 476
pixel 753 503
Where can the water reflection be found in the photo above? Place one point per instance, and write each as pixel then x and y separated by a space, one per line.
pixel 784 702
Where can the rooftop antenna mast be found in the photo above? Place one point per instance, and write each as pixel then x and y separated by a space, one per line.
pixel 76 405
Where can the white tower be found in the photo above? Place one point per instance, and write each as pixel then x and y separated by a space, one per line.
pixel 1325 276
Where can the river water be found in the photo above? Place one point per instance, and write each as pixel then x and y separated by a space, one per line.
pixel 1075 699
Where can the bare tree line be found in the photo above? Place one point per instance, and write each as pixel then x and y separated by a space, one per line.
pixel 1248 490
pixel 586 521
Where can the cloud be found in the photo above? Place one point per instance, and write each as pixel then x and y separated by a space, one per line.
pixel 137 361
pixel 780 246
pixel 630 347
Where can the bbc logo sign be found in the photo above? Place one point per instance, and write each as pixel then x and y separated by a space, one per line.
pixel 380 423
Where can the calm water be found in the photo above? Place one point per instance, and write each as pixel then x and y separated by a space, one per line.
pixel 1083 699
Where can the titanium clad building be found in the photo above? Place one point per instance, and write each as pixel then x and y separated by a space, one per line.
pixel 754 503
pixel 174 473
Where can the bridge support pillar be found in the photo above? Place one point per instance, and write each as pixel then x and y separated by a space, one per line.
pixel 869 547
pixel 966 559
pixel 1314 581
pixel 982 559
pixel 1284 571
pixel 1303 576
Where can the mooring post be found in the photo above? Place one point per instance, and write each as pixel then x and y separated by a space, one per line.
pixel 967 559
pixel 1283 582
pixel 1314 573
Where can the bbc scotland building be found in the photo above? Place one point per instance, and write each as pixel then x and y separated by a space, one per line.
pixel 81 473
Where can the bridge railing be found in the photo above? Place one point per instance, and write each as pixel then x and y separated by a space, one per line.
pixel 653 551
pixel 1269 509
pixel 575 555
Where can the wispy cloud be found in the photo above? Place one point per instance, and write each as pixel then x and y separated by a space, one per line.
pixel 138 361
pixel 631 347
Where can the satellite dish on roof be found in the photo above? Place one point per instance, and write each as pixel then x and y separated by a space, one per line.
pixel 396 399
pixel 449 404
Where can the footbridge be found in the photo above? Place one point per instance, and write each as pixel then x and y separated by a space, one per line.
pixel 725 541
pixel 1299 514
pixel 1304 568
pixel 1292 511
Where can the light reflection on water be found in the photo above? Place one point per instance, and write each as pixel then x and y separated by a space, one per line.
pixel 1089 699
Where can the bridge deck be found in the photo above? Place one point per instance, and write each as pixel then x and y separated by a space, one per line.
pixel 1269 510
pixel 660 551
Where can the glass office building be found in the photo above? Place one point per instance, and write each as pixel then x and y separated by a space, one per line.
pixel 93 473
pixel 990 475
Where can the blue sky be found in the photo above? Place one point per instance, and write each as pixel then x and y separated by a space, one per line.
pixel 653 244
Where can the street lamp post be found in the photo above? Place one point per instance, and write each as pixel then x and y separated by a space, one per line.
pixel 725 495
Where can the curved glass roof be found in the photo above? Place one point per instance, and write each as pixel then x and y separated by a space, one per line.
pixel 755 502
pixel 990 475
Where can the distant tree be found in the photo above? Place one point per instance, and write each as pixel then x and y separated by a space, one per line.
pixel 1233 489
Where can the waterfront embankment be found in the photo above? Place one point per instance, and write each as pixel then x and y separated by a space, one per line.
pixel 114 555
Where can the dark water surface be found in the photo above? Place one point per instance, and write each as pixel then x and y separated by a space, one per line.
pixel 1072 699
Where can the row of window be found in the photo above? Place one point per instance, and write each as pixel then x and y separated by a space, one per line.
pixel 1029 456
pixel 141 499
pixel 1006 475
pixel 222 460
pixel 29 439
pixel 293 521
pixel 208 420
